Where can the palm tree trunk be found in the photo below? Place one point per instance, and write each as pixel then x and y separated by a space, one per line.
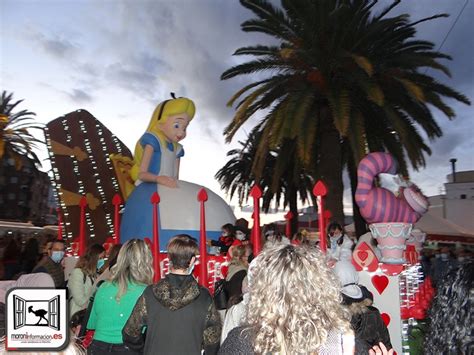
pixel 293 204
pixel 359 223
pixel 330 164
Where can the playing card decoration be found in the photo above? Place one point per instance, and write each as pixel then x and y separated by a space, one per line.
pixel 380 282
pixel 364 257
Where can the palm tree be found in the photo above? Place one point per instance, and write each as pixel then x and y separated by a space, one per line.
pixel 339 76
pixel 282 180
pixel 16 141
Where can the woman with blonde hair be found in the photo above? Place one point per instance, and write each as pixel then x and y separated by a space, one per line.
pixel 81 280
pixel 115 299
pixel 237 271
pixel 293 308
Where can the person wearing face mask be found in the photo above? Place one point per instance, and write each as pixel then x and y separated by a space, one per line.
pixel 225 240
pixel 51 263
pixel 81 281
pixel 179 315
pixel 339 244
pixel 240 234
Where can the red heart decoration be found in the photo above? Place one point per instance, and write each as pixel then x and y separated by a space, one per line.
pixel 363 255
pixel 385 318
pixel 380 282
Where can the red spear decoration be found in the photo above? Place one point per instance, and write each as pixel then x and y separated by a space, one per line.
pixel 202 198
pixel 155 200
pixel 60 224
pixel 116 201
pixel 320 191
pixel 289 216
pixel 327 217
pixel 82 226
pixel 256 193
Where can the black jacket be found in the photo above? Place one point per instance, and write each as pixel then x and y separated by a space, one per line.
pixel 367 323
pixel 179 317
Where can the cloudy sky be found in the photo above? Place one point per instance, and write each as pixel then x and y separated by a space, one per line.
pixel 118 59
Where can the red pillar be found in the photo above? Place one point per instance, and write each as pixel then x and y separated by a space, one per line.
pixel 202 198
pixel 289 216
pixel 155 200
pixel 320 191
pixel 116 201
pixel 82 226
pixel 256 193
pixel 60 224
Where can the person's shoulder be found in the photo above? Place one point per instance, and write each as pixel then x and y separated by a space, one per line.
pixel 107 285
pixel 204 291
pixel 76 272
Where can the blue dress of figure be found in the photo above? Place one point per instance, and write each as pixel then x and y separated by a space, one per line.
pixel 137 221
pixel 179 209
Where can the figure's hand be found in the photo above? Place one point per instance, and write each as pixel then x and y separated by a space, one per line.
pixel 167 181
pixel 380 350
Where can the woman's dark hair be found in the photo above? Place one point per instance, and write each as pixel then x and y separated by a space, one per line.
pixel 88 262
pixel 230 228
pixel 450 316
pixel 77 318
pixel 272 227
pixel 233 300
pixel 112 259
pixel 12 251
pixel 336 226
pixel 30 255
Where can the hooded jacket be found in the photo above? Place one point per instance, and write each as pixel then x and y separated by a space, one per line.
pixel 174 316
pixel 367 323
pixel 235 275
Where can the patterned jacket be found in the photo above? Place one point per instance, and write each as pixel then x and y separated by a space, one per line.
pixel 179 317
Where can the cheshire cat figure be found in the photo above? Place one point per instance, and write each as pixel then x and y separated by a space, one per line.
pixel 378 204
pixel 391 209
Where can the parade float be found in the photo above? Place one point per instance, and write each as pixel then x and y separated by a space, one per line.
pixel 96 177
pixel 107 195
pixel 401 292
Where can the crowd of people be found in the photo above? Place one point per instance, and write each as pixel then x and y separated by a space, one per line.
pixel 290 299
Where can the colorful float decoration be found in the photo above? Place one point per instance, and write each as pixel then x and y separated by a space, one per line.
pixel 156 169
pixel 401 292
pixel 95 175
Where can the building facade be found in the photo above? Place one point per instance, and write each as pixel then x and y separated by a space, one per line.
pixel 457 204
pixel 25 193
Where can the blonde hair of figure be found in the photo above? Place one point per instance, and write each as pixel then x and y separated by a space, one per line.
pixel 294 301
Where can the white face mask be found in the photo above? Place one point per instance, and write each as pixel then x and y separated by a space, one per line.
pixel 190 269
pixel 239 235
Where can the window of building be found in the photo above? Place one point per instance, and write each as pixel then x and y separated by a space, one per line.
pixel 14 180
pixel 463 196
pixel 11 196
